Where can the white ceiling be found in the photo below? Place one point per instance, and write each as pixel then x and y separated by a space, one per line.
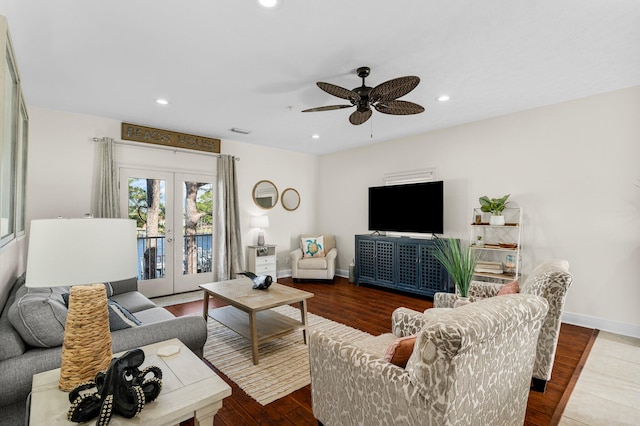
pixel 228 63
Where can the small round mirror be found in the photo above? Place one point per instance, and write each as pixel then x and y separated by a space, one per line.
pixel 265 194
pixel 290 199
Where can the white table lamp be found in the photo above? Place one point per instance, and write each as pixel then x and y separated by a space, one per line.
pixel 82 253
pixel 259 222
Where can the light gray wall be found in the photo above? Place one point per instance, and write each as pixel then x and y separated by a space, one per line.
pixel 573 168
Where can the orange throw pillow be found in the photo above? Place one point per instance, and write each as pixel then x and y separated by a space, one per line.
pixel 511 288
pixel 400 351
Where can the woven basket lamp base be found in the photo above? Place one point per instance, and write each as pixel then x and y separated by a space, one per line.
pixel 87 339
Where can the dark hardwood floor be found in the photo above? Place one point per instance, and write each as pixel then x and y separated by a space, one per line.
pixel 369 309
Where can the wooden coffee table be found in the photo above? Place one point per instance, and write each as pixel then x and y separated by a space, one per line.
pixel 249 312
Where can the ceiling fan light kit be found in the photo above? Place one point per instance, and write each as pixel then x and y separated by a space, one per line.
pixel 382 97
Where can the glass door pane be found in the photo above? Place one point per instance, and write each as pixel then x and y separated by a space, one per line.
pixel 147 196
pixel 195 211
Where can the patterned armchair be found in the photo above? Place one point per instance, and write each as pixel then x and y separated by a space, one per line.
pixel 469 366
pixel 550 280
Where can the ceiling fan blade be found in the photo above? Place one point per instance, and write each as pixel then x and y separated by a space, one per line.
pixel 338 91
pixel 393 89
pixel 327 108
pixel 398 108
pixel 359 117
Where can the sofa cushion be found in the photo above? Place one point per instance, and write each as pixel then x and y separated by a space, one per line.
pixel 11 343
pixel 153 315
pixel 313 263
pixel 134 301
pixel 39 315
pixel 122 286
pixel 312 246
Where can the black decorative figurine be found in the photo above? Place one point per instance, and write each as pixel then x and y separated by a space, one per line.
pixel 261 282
pixel 123 389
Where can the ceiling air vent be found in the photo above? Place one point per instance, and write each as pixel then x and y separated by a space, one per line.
pixel 241 131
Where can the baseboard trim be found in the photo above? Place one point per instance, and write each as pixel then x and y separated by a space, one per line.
pixel 616 327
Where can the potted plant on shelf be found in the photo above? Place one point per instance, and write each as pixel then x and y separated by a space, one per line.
pixel 460 262
pixel 495 206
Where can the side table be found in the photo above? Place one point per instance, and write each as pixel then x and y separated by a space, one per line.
pixel 190 389
pixel 262 260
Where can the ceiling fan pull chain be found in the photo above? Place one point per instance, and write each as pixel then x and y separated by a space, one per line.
pixel 371 128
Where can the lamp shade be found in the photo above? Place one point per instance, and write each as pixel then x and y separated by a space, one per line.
pixel 259 222
pixel 66 252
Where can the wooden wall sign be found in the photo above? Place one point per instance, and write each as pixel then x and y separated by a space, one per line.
pixel 133 132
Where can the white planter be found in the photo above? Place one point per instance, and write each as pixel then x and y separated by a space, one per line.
pixel 496 220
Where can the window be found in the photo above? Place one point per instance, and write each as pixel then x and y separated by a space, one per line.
pixel 13 147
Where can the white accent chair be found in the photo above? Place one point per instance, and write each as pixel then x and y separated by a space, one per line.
pixel 314 268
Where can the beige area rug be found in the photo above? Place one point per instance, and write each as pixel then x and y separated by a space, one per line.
pixel 284 361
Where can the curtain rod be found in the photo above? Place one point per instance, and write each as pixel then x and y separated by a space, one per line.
pixel 169 148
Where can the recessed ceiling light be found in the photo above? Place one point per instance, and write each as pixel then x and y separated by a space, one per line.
pixel 443 98
pixel 316 136
pixel 161 101
pixel 270 4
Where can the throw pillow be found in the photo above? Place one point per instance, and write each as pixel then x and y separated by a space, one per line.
pixel 120 317
pixel 400 351
pixel 511 288
pixel 313 247
pixel 39 315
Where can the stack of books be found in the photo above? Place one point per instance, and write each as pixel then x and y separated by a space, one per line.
pixel 489 267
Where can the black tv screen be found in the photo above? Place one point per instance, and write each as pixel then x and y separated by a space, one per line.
pixel 416 207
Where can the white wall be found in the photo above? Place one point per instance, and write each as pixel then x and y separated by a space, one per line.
pixel 62 164
pixel 573 167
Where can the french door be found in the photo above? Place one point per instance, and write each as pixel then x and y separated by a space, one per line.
pixel 174 216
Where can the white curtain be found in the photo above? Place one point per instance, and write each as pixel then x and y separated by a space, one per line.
pixel 229 256
pixel 108 196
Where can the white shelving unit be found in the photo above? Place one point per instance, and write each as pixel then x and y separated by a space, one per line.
pixel 500 246
pixel 262 260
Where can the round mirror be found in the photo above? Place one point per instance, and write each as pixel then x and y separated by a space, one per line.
pixel 290 199
pixel 265 194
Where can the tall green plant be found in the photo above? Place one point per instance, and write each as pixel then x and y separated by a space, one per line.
pixel 459 261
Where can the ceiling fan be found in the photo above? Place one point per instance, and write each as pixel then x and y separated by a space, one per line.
pixel 382 97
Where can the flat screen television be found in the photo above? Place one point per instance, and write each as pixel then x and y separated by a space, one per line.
pixel 415 207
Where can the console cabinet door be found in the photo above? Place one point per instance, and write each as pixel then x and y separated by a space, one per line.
pixel 385 274
pixel 433 277
pixel 408 265
pixel 365 260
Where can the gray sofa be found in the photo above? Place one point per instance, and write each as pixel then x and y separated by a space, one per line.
pixel 31 334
